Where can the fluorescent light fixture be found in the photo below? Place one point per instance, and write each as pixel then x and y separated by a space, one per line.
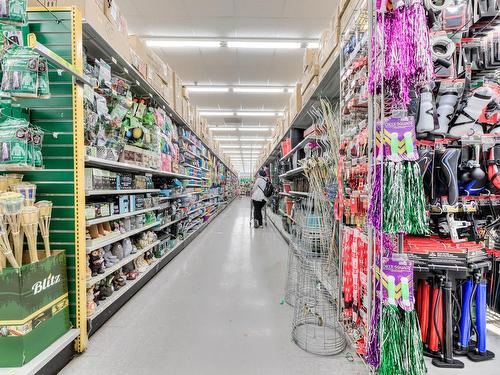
pixel 257 114
pixel 225 139
pixel 252 146
pixel 243 129
pixel 313 45
pixel 230 146
pixel 215 113
pixel 223 129
pixel 207 89
pixel 260 90
pixel 264 45
pixel 183 43
pixel 252 139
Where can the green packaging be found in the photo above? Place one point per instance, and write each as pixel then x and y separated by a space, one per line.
pixel 13 12
pixel 20 73
pixel 34 309
pixel 14 138
pixel 43 78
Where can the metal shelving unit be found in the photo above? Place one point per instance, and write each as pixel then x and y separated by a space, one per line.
pixel 301 145
pixel 91 193
pixel 119 237
pixel 292 173
pixel 121 216
pixel 118 166
pixel 299 193
pixel 120 264
pixel 99 47
pixel 168 224
pixel 112 304
pixel 329 86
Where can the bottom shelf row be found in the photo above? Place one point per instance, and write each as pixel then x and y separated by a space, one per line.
pixel 106 289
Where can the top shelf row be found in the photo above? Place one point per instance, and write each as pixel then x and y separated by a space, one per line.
pixel 118 166
pixel 99 47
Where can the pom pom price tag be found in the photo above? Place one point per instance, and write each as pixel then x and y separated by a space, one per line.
pixel 398 142
pixel 397 282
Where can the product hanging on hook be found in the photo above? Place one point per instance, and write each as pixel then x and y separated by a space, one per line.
pixel 408 62
pixel 402 189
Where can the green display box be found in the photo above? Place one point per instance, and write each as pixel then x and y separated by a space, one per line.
pixel 34 309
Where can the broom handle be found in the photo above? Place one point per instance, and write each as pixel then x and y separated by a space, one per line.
pixel 2 261
pixel 30 234
pixel 7 250
pixel 17 238
pixel 46 242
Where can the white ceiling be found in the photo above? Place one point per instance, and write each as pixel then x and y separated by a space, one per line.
pixel 296 19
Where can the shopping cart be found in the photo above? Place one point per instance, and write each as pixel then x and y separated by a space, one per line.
pixel 264 214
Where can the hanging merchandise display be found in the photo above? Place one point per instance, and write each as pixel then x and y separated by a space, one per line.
pixel 25 74
pixel 151 185
pixel 34 310
pixel 434 107
pixel 13 12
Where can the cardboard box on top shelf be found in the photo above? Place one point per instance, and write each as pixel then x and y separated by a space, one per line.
pixel 115 16
pixel 313 70
pixel 296 101
pixel 184 109
pixel 328 44
pixel 160 86
pixel 93 12
pixel 185 92
pixel 138 63
pixel 190 113
pixel 162 68
pixel 198 121
pixel 280 124
pixel 310 58
pixel 140 48
pixel 178 97
pixel 204 128
pixel 310 90
pixel 151 74
pixel 287 120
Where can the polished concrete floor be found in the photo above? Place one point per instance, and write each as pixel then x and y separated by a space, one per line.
pixel 215 309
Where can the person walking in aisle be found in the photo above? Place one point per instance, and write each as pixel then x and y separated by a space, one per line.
pixel 258 197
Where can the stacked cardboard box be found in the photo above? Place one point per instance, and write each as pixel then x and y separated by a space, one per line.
pixel 352 6
pixel 178 96
pixel 107 20
pixel 329 44
pixel 139 56
pixel 295 101
pixel 109 23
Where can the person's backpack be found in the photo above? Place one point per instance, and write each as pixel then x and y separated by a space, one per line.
pixel 269 189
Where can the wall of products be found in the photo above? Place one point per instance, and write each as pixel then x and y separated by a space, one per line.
pixel 101 183
pixel 415 193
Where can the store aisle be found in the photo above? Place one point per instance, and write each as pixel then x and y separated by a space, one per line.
pixel 215 309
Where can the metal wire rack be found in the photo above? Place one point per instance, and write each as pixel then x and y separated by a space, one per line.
pixel 315 326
